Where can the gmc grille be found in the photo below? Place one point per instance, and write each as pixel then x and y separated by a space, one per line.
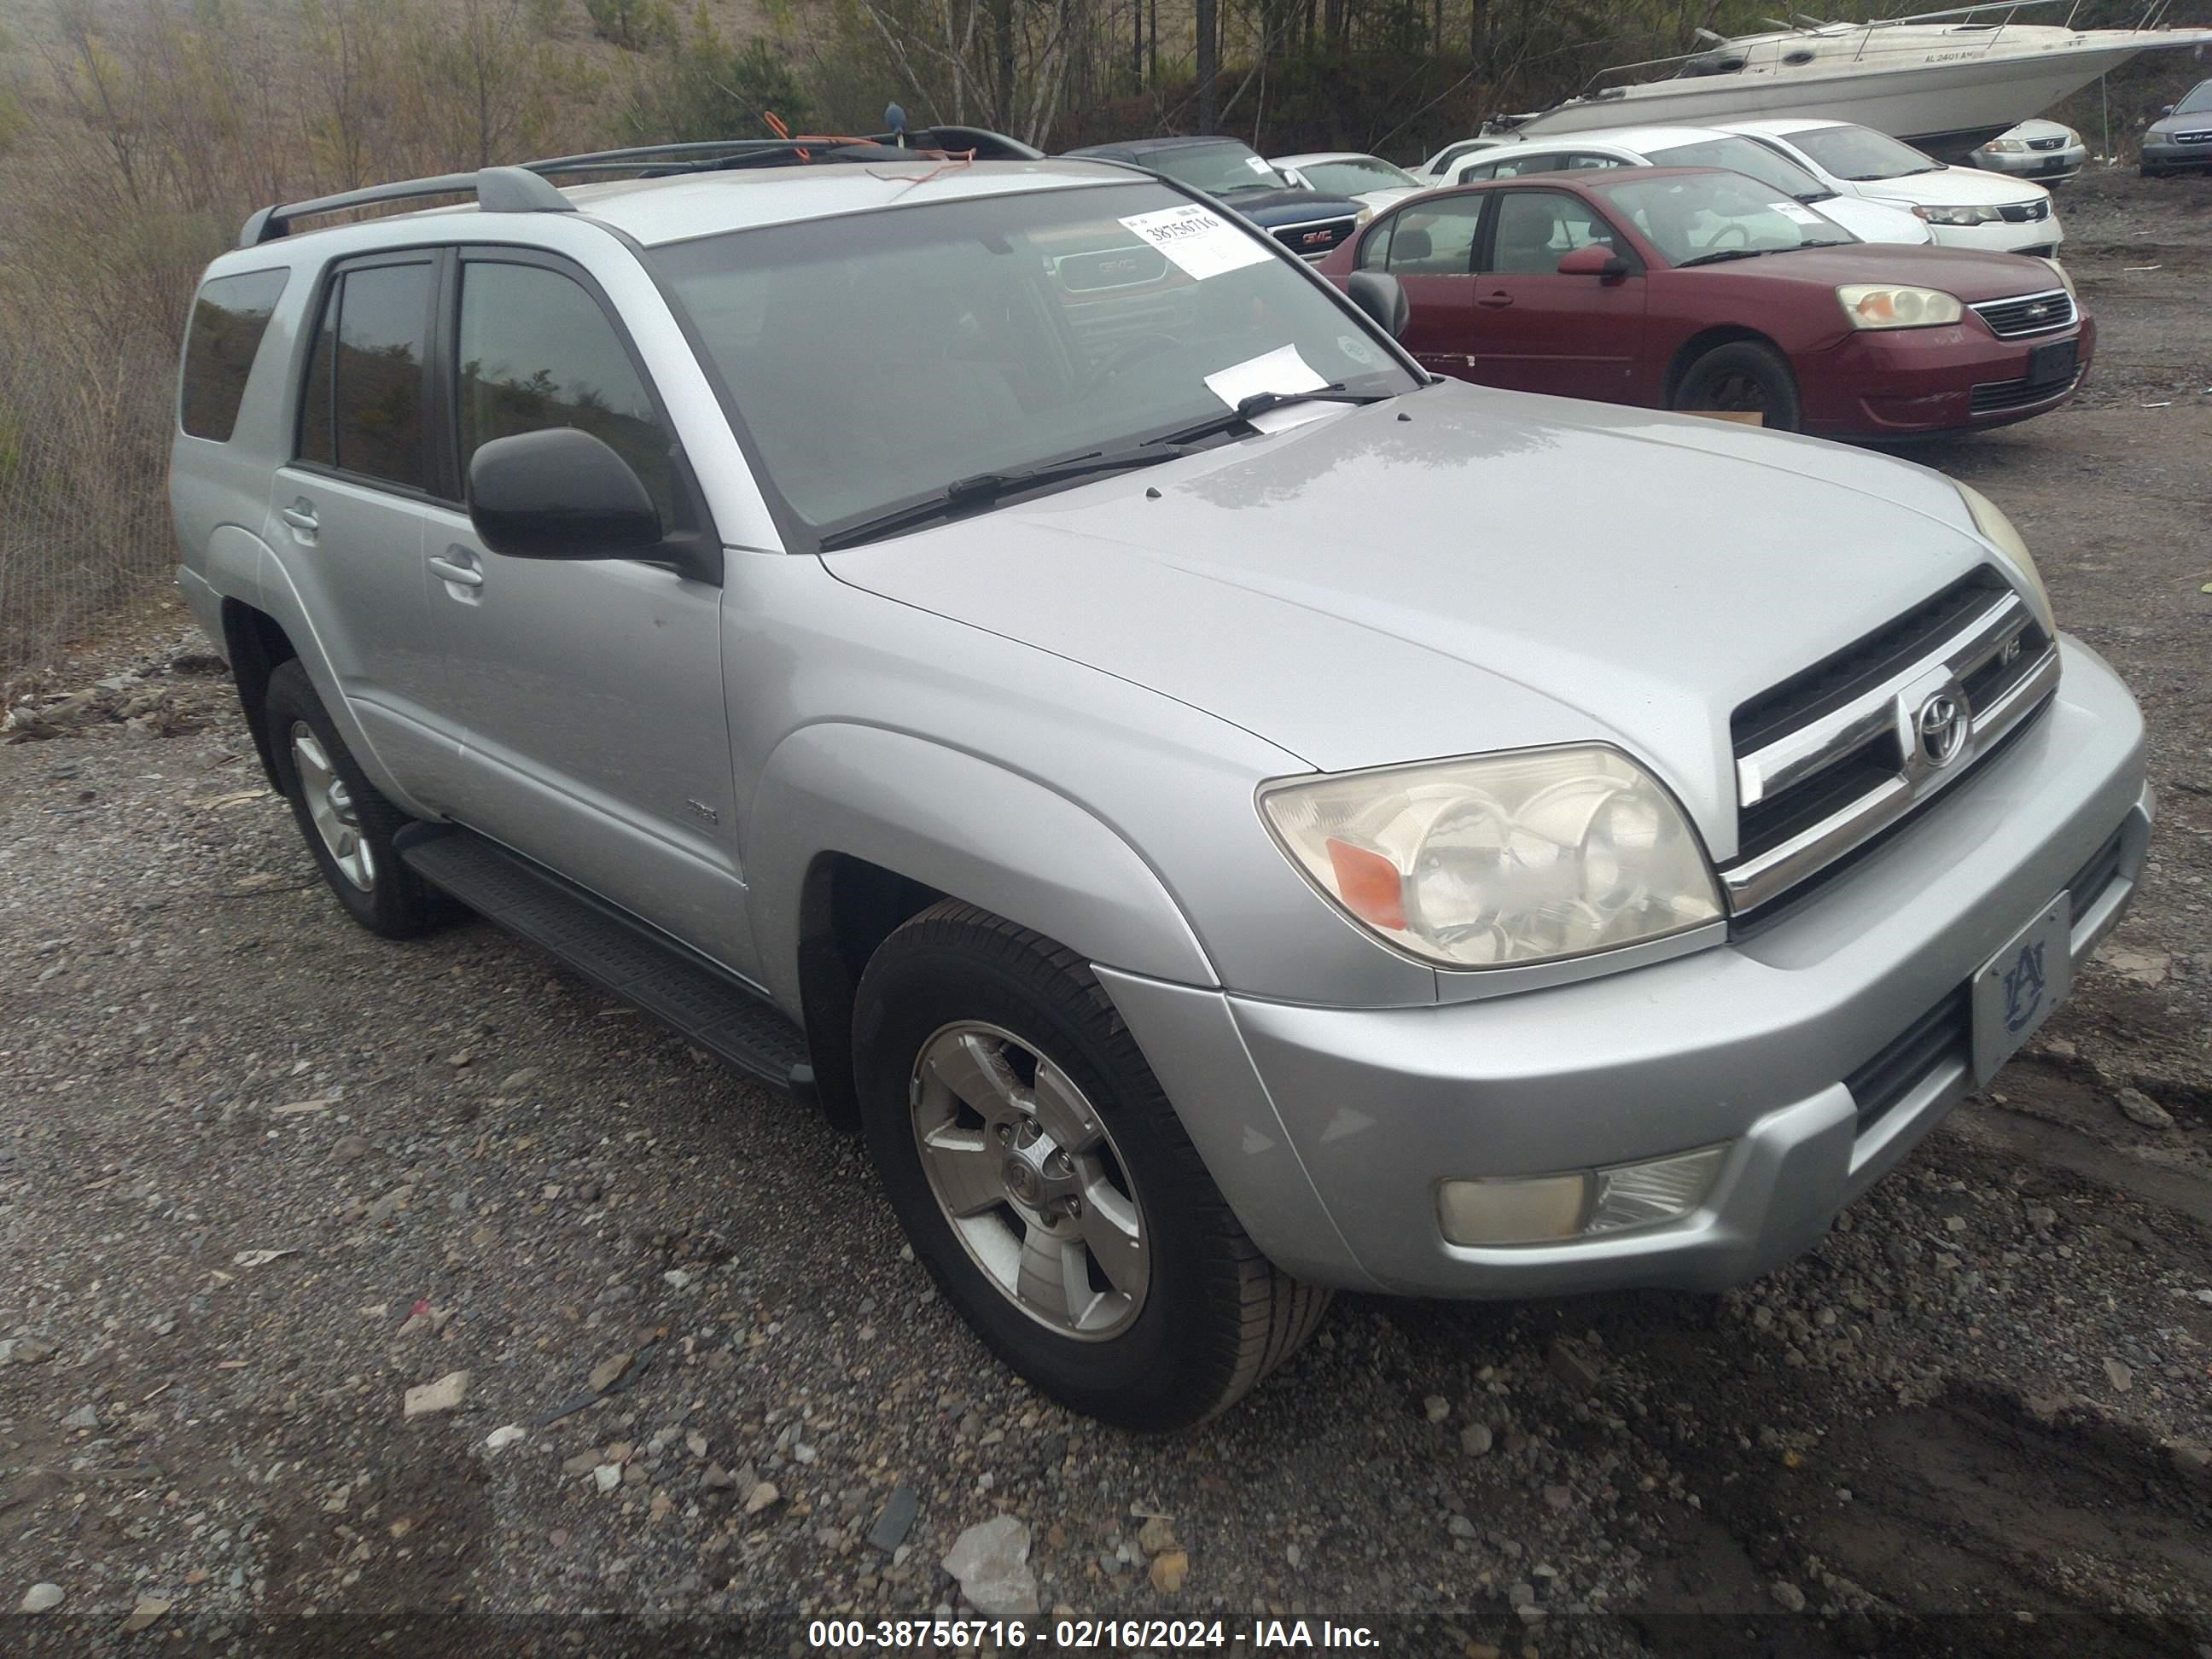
pixel 2030 313
pixel 1835 756
pixel 1314 240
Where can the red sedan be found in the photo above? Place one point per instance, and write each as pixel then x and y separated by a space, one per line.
pixel 1698 290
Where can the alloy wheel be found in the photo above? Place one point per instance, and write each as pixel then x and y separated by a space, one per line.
pixel 331 809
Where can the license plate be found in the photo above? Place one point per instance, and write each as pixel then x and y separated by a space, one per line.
pixel 2050 364
pixel 2018 988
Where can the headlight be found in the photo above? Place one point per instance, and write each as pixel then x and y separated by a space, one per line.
pixel 1880 306
pixel 1366 212
pixel 1998 530
pixel 1502 859
pixel 2006 147
pixel 1958 216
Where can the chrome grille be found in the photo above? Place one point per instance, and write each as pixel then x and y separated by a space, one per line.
pixel 1835 756
pixel 2046 144
pixel 2192 137
pixel 1315 237
pixel 2027 314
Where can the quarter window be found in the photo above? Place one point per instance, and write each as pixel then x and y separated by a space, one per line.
pixel 229 319
pixel 361 411
pixel 538 351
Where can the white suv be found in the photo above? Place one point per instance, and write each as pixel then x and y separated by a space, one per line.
pixel 1963 207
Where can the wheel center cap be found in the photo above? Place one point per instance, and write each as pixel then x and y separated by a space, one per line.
pixel 1022 1181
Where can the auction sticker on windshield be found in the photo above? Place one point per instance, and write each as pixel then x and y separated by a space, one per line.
pixel 1803 215
pixel 1203 244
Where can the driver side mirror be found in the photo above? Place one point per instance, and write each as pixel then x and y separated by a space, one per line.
pixel 1594 259
pixel 2165 111
pixel 1381 297
pixel 560 494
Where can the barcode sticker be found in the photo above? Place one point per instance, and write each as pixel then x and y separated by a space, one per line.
pixel 1201 242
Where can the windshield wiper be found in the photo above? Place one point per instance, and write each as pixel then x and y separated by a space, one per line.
pixel 982 488
pixel 1716 257
pixel 1808 197
pixel 1260 402
pixel 1830 242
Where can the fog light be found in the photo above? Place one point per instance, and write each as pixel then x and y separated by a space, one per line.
pixel 1547 1209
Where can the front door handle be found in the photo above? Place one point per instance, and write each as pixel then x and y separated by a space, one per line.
pixel 461 576
pixel 1496 301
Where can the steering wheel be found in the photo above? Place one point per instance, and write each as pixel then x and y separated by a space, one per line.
pixel 1736 226
pixel 1134 349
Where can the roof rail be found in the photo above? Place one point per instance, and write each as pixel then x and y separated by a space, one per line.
pixel 528 188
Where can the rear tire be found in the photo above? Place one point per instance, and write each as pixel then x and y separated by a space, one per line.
pixel 347 824
pixel 1056 1106
pixel 1742 376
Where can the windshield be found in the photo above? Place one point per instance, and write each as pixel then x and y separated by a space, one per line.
pixel 1862 154
pixel 1217 169
pixel 1743 156
pixel 1718 215
pixel 877 358
pixel 1350 178
pixel 2196 101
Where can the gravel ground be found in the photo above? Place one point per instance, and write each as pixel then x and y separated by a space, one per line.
pixel 261 1174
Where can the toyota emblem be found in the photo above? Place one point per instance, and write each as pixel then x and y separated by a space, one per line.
pixel 1943 726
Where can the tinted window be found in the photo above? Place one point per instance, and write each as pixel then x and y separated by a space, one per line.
pixel 536 351
pixel 229 319
pixel 1431 239
pixel 361 409
pixel 1537 228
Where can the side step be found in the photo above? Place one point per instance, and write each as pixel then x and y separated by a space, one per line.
pixel 683 989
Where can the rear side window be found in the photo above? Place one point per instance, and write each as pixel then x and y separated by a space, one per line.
pixel 229 319
pixel 361 408
pixel 536 351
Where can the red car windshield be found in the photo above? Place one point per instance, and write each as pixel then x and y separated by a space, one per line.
pixel 1707 217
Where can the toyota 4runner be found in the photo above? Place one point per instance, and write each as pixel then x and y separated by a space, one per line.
pixel 1225 815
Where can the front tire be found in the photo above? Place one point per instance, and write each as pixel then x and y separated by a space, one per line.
pixel 1742 377
pixel 1048 1185
pixel 347 824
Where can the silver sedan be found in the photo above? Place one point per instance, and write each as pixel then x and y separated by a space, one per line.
pixel 2045 151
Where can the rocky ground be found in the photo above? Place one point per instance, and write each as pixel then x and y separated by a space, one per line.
pixel 262 1176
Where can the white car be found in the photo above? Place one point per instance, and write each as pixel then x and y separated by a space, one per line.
pixel 1963 206
pixel 1690 146
pixel 2048 152
pixel 1370 180
pixel 1437 169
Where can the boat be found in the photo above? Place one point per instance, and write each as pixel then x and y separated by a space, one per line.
pixel 1944 81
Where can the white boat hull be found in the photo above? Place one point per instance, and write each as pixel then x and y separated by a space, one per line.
pixel 1935 105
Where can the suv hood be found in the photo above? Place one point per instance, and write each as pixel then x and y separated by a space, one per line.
pixel 1495 570
pixel 1283 205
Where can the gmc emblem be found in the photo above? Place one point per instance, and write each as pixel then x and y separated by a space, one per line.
pixel 1314 236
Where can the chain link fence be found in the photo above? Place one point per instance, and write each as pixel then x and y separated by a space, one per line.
pixel 84 432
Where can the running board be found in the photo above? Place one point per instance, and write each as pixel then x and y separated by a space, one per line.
pixel 616 953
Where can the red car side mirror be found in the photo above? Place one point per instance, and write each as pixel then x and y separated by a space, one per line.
pixel 1595 259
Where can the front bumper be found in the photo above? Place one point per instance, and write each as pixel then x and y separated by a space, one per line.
pixel 2045 167
pixel 2157 154
pixel 1904 382
pixel 1329 1129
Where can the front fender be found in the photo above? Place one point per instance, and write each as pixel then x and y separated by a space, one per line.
pixel 965 826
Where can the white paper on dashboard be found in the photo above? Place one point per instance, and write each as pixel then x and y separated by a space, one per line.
pixel 1280 370
pixel 1201 242
pixel 1803 215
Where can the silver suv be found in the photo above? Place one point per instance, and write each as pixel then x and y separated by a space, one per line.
pixel 1000 650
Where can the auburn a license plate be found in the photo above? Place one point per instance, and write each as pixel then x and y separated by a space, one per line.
pixel 2018 988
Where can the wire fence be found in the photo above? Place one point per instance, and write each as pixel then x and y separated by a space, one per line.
pixel 84 427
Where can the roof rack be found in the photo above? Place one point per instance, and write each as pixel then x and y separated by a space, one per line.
pixel 528 188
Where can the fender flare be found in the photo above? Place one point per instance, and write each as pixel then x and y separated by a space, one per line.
pixel 964 826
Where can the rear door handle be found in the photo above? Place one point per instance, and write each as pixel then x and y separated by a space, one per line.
pixel 1495 301
pixel 301 515
pixel 460 575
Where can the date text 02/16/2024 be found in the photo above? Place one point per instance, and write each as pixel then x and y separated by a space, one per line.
pixel 1073 1635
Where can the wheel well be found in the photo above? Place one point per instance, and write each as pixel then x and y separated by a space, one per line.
pixel 847 908
pixel 256 645
pixel 1698 344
